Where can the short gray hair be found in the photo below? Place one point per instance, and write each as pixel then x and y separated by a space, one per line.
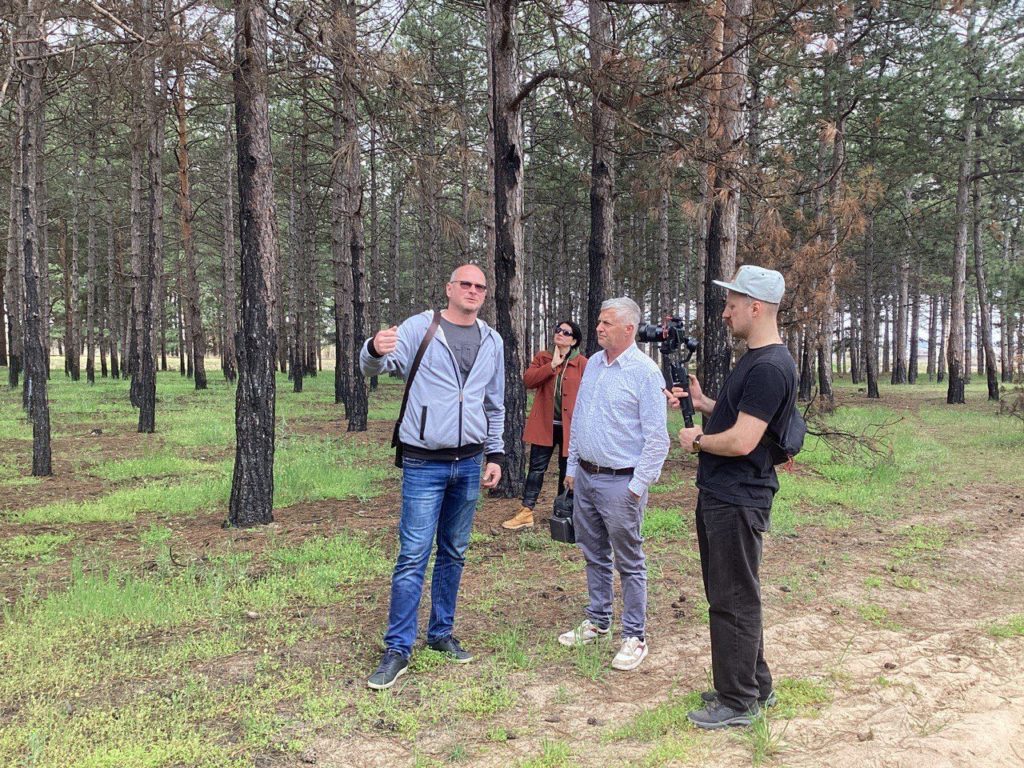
pixel 626 308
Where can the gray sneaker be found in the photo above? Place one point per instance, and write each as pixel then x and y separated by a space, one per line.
pixel 392 666
pixel 765 702
pixel 717 715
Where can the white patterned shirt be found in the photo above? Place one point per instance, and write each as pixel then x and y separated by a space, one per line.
pixel 620 418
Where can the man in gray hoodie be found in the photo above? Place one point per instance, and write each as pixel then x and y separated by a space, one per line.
pixel 452 430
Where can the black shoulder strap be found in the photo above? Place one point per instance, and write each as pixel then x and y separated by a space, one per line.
pixel 412 373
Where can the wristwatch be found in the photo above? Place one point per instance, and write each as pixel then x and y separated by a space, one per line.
pixel 695 448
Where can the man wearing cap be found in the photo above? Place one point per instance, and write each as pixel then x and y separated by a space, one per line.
pixel 737 482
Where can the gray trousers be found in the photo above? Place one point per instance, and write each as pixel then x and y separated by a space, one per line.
pixel 607 522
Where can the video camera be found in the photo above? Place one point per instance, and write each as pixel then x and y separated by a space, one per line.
pixel 671 337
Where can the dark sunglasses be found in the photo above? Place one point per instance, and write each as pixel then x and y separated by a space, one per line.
pixel 466 285
pixel 561 330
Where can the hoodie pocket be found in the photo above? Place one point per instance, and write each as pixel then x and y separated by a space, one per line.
pixel 423 421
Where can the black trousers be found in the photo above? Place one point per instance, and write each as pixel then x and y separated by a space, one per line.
pixel 540 457
pixel 729 537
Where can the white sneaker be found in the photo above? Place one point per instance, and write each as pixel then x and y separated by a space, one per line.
pixel 587 632
pixel 632 652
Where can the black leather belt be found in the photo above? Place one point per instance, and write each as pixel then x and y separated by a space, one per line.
pixel 596 470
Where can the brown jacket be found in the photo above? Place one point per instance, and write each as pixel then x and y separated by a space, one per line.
pixel 539 376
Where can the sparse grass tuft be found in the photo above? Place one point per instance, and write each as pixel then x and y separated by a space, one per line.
pixel 554 754
pixel 763 739
pixel 799 697
pixel 1011 626
pixel 664 719
pixel 28 547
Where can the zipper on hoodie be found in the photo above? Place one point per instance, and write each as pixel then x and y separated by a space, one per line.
pixel 458 378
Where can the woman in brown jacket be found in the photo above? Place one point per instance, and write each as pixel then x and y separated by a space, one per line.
pixel 556 377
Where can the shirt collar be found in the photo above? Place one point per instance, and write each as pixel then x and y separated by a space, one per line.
pixel 625 359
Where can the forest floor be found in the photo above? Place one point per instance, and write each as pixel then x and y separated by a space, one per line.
pixel 137 631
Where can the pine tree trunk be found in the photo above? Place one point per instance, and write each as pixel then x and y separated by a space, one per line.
pixel 940 374
pixel 341 256
pixel 602 172
pixel 899 369
pixel 114 306
pixel 252 485
pixel 197 339
pixel 295 321
pixel 984 308
pixel 345 15
pixel 229 363
pixel 90 268
pixel 870 345
pixel 508 231
pixel 72 337
pixel 933 327
pixel 15 267
pixel 915 323
pixel 135 213
pixel 43 227
pixel 30 102
pixel 152 253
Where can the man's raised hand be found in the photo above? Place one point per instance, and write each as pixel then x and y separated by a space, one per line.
pixel 386 341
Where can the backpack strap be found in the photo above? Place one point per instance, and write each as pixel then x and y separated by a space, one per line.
pixel 427 337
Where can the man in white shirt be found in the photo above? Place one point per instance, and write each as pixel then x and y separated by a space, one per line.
pixel 618 442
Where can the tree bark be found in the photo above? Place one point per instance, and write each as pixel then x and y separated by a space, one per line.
pixel 955 347
pixel 915 323
pixel 508 230
pixel 229 363
pixel 933 327
pixel 90 267
pixel 15 267
pixel 115 310
pixel 984 308
pixel 30 101
pixel 252 485
pixel 341 254
pixel 870 345
pixel 602 172
pixel 725 194
pixel 197 340
pixel 351 173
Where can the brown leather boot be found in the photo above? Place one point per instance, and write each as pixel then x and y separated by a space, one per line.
pixel 523 519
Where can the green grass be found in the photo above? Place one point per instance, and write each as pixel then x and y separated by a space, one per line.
pixel 918 540
pixel 554 754
pixel 1011 626
pixel 235 650
pixel 799 697
pixel 28 547
pixel 665 719
pixel 664 524
pixel 111 631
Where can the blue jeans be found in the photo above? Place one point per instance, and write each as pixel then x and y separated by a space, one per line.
pixel 437 497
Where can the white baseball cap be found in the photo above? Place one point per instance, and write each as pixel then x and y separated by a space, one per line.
pixel 757 283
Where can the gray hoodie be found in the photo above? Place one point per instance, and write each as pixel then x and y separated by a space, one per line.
pixel 444 412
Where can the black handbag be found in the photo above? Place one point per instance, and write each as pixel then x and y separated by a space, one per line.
pixel 561 519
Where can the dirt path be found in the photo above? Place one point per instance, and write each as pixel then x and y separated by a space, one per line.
pixel 929 688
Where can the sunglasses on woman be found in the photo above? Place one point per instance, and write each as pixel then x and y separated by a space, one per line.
pixel 563 331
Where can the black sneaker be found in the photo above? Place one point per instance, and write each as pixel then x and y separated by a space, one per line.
pixel 768 701
pixel 392 666
pixel 450 647
pixel 717 715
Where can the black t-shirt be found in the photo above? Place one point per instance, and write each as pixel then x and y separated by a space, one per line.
pixel 764 385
